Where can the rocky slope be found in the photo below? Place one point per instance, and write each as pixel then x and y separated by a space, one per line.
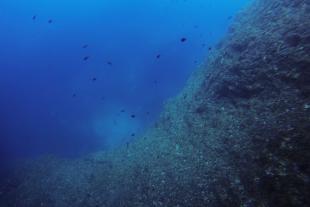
pixel 237 135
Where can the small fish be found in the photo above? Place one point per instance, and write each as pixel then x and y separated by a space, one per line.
pixel 158 56
pixel 73 95
pixel 86 58
pixel 183 39
pixel 210 48
pixel 123 110
pixel 50 21
pixel 94 79
pixel 34 17
pixel 133 134
pixel 109 63
pixel 133 116
pixel 85 46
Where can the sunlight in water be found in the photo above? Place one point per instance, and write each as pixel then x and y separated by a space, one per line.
pixel 115 130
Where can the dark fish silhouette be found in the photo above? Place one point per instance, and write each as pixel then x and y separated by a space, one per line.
pixel 210 48
pixel 123 110
pixel 94 79
pixel 109 63
pixel 50 21
pixel 133 116
pixel 85 46
pixel 74 95
pixel 86 58
pixel 183 39
pixel 133 134
pixel 34 17
pixel 158 56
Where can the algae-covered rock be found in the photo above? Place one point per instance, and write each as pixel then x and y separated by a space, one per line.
pixel 237 135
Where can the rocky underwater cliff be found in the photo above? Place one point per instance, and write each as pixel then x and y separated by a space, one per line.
pixel 237 135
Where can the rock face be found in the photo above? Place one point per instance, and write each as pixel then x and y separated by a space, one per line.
pixel 237 135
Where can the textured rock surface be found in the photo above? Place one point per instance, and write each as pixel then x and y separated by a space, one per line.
pixel 237 135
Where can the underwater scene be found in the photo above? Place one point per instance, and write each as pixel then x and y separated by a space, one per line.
pixel 158 103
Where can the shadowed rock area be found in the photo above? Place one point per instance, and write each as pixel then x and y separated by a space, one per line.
pixel 237 135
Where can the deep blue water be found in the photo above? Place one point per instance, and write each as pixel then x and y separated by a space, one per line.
pixel 74 72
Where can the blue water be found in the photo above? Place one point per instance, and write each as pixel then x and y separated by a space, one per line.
pixel 78 76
